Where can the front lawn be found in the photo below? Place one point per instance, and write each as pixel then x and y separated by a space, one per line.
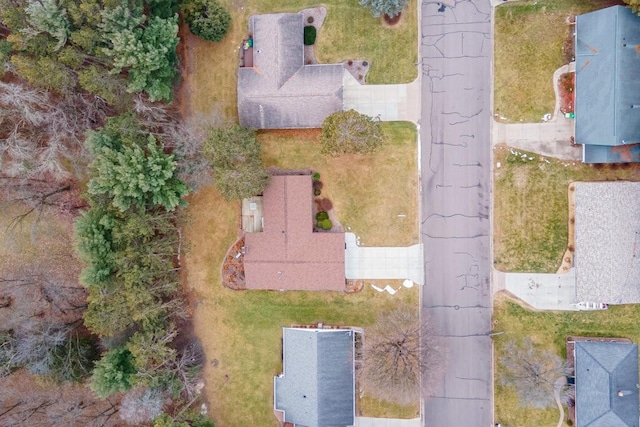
pixel 528 48
pixel 549 330
pixel 375 195
pixel 349 32
pixel 531 208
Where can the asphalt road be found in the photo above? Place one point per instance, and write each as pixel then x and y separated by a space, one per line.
pixel 455 135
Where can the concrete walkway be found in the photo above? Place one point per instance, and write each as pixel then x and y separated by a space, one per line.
pixel 364 262
pixel 386 422
pixel 557 386
pixel 551 138
pixel 540 291
pixel 390 102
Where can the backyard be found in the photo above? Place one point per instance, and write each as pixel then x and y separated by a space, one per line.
pixel 349 32
pixel 531 208
pixel 241 331
pixel 549 330
pixel 529 38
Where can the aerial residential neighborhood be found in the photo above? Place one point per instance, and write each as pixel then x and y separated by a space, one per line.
pixel 371 213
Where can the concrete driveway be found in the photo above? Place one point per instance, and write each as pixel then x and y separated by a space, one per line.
pixel 540 291
pixel 375 262
pixel 390 102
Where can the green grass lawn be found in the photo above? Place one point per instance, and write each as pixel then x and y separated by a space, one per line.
pixel 369 191
pixel 549 330
pixel 531 208
pixel 242 330
pixel 528 49
pixel 349 32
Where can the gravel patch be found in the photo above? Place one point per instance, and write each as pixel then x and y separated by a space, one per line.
pixel 607 235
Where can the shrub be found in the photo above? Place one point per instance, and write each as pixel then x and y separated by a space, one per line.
pixel 390 8
pixel 316 176
pixel 309 35
pixel 321 216
pixel 348 132
pixel 326 204
pixel 317 185
pixel 317 192
pixel 207 19
pixel 325 224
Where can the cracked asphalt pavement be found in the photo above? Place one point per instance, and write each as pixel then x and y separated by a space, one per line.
pixel 455 136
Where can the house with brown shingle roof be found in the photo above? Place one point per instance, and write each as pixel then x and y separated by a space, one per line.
pixel 276 89
pixel 287 254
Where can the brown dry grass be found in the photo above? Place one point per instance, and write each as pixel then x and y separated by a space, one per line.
pixel 528 49
pixel 531 207
pixel 369 192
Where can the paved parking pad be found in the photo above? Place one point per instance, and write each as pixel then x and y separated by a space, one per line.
pixel 363 262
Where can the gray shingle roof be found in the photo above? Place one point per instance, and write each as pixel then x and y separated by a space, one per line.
pixel 607 104
pixel 316 388
pixel 603 369
pixel 280 92
pixel 607 242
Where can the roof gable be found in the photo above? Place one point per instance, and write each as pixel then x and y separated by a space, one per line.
pixel 603 369
pixel 287 254
pixel 607 44
pixel 280 91
pixel 317 384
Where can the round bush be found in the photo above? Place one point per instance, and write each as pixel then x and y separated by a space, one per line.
pixel 326 204
pixel 315 176
pixel 309 35
pixel 321 216
pixel 208 19
pixel 325 224
pixel 317 192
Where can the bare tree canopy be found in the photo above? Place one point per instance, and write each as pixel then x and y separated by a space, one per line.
pixel 400 351
pixel 532 371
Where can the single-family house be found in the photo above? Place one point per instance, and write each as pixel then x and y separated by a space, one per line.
pixel 285 253
pixel 276 89
pixel 317 385
pixel 606 384
pixel 607 90
pixel 607 242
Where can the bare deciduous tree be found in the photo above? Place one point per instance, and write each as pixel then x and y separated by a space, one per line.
pixel 24 401
pixel 401 352
pixel 184 140
pixel 532 371
pixel 141 405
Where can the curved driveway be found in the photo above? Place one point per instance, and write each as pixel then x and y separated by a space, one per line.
pixel 456 54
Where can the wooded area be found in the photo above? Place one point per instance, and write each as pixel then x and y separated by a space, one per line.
pixel 93 171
